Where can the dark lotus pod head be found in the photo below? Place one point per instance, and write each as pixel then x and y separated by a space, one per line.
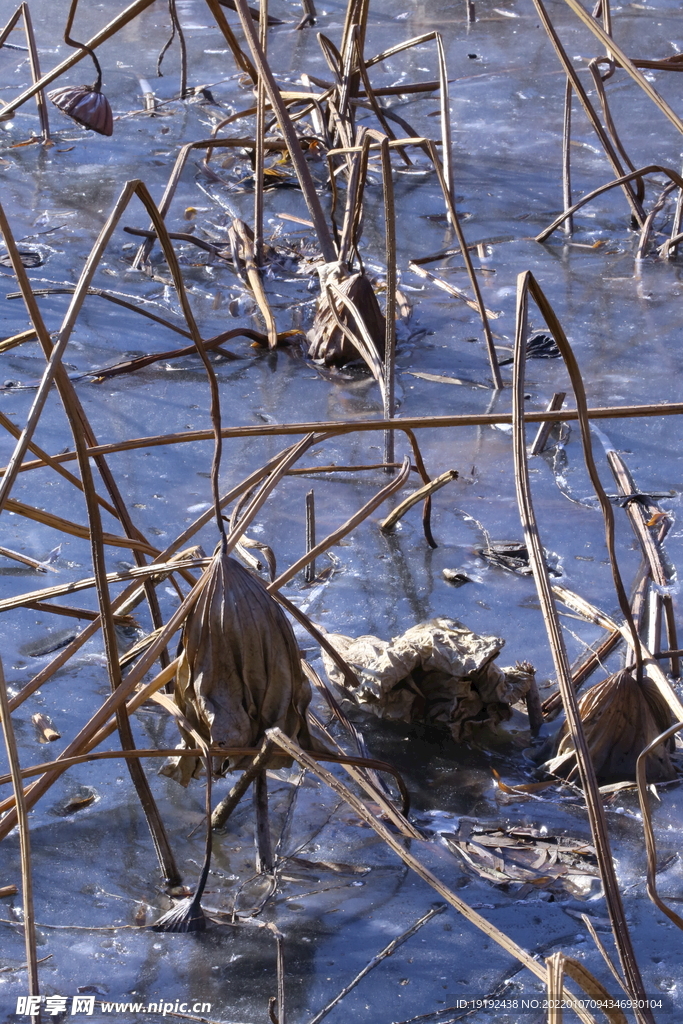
pixel 85 105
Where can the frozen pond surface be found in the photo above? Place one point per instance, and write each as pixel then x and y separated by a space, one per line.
pixel 341 894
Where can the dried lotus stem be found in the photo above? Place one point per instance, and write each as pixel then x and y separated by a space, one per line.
pixel 84 103
pixel 434 485
pixel 24 840
pixel 650 845
pixel 24 11
pixel 526 285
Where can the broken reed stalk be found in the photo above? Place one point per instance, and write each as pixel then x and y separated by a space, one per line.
pixel 149 692
pixel 527 285
pixel 650 845
pixel 646 231
pixel 424 873
pixel 334 428
pixel 474 284
pixel 555 966
pixel 434 485
pixel 343 530
pixel 47 460
pixel 599 80
pixel 183 47
pixel 541 439
pixel 224 809
pixel 354 734
pixel 378 958
pixel 110 29
pixel 280 1004
pixel 310 17
pixel 595 658
pixel 24 839
pixel 390 310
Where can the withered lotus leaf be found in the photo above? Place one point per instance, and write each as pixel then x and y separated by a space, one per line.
pixel 620 718
pixel 239 671
pixel 327 341
pixel 438 672
pixel 86 105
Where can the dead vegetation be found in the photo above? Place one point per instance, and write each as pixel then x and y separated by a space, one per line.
pixel 238 688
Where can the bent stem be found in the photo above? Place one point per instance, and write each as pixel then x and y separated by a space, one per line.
pixel 526 284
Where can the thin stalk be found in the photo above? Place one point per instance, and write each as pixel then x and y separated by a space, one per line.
pixel 342 531
pixel 299 164
pixel 390 307
pixel 625 178
pixel 618 55
pixel 24 840
pixel 594 805
pixel 310 17
pixel 35 72
pixel 309 571
pixel 566 157
pixel 264 844
pixel 378 958
pixel 650 845
pixel 541 439
pixel 183 47
pixel 259 153
pixel 450 205
pixel 334 428
pixel 592 116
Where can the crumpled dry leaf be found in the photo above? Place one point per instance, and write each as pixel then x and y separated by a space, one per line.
pixel 439 672
pixel 326 341
pixel 527 856
pixel 239 672
pixel 620 718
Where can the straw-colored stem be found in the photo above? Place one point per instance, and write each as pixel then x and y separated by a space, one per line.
pixel 24 840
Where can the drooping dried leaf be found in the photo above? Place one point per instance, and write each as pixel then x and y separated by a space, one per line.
pixel 239 671
pixel 438 672
pixel 86 105
pixel 620 718
pixel 327 341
